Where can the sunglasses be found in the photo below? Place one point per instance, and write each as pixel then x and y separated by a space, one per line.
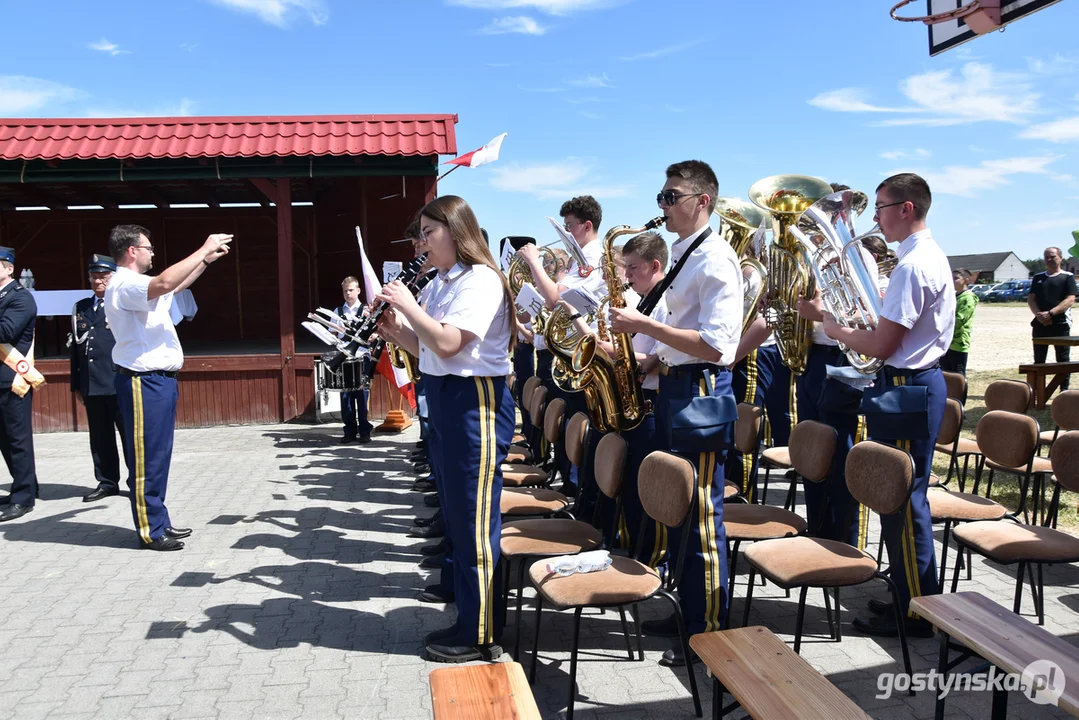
pixel 670 197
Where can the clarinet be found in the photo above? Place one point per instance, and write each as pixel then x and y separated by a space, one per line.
pixel 415 281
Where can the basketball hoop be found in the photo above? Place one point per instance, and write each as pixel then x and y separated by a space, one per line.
pixel 981 16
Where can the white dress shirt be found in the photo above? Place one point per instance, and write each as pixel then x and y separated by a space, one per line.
pixel 705 296
pixel 470 299
pixel 921 298
pixel 145 334
pixel 645 345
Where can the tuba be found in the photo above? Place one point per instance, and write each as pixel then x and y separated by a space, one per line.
pixel 835 255
pixel 610 383
pixel 519 274
pixel 739 224
pixel 785 198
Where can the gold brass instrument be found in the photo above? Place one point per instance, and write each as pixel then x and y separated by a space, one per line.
pixel 404 360
pixel 848 288
pixel 519 274
pixel 739 224
pixel 610 383
pixel 785 197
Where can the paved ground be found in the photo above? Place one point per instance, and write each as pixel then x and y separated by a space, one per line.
pixel 295 598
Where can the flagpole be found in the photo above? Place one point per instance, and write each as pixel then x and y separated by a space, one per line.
pixel 439 179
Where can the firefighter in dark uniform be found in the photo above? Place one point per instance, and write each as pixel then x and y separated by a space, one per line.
pixel 92 374
pixel 18 311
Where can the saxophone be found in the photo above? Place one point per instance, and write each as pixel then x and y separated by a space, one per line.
pixel 617 401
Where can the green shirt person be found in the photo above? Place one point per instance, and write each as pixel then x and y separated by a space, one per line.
pixel 955 360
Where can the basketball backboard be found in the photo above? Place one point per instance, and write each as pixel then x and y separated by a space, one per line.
pixel 950 33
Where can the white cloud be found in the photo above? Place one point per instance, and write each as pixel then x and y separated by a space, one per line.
pixel 1056 65
pixel 968 181
pixel 541 90
pixel 1058 131
pixel 591 115
pixel 902 154
pixel 105 46
pixel 20 95
pixel 183 108
pixel 660 52
pixel 546 181
pixel 592 81
pixel 520 24
pixel 941 97
pixel 279 12
pixel 189 47
pixel 1065 223
pixel 551 7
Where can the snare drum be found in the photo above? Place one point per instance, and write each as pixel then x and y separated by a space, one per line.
pixel 352 376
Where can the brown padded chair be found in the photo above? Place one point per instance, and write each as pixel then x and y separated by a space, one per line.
pixel 952 508
pixel 747 430
pixel 526 540
pixel 524 475
pixel 956 386
pixel 1013 543
pixel 1009 441
pixel 535 501
pixel 1065 413
pixel 880 477
pixel 951 444
pixel 667 485
pixel 1011 395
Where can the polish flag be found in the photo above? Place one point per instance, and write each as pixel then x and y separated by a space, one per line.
pixel 487 153
pixel 398 377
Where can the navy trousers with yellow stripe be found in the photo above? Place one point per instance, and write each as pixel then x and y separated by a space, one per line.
pixel 703 589
pixel 473 417
pixel 524 367
pixel 909 533
pixel 763 380
pixel 148 408
pixel 831 512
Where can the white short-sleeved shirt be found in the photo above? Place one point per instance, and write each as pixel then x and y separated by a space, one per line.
pixel 470 299
pixel 819 336
pixel 705 296
pixel 647 345
pixel 145 334
pixel 921 298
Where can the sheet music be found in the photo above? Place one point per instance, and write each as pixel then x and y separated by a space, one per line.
pixel 570 242
pixel 582 300
pixel 320 332
pixel 529 301
pixel 507 254
pixel 390 270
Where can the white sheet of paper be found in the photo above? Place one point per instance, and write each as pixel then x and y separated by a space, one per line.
pixel 849 376
pixel 529 301
pixel 574 250
pixel 390 270
pixel 320 332
pixel 582 300
pixel 507 254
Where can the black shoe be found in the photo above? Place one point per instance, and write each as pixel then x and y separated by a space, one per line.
pixel 422 468
pixel 884 626
pixel 435 594
pixel 15 511
pixel 675 658
pixel 102 491
pixel 433 548
pixel 431 501
pixel 421 444
pixel 462 653
pixel 418 456
pixel 164 543
pixel 364 439
pixel 5 500
pixel 345 440
pixel 667 627
pixel 880 607
pixel 178 533
pixel 424 486
pixel 444 633
pixel 436 529
pixel 433 562
pixel 425 521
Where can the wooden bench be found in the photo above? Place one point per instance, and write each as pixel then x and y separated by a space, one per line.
pixel 497 691
pixel 766 678
pixel 1038 372
pixel 1007 641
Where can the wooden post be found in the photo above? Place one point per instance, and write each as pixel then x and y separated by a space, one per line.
pixel 285 299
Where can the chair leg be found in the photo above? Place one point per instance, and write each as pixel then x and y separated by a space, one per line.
pixel 625 631
pixel 1041 596
pixel 1033 587
pixel 970 565
pixel 717 699
pixel 535 639
pixel 683 636
pixel 573 663
pixel 801 619
pixel 963 476
pixel 958 566
pixel 828 612
pixel 1017 604
pixel 520 603
pixel 900 622
pixel 838 619
pixel 749 596
pixel 764 491
pixel 944 552
pixel 637 626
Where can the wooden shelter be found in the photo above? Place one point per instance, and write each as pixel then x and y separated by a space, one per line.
pixel 291 190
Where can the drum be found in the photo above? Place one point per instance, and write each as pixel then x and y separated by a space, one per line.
pixel 352 376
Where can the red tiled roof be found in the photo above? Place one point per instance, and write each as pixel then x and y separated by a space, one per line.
pixel 218 137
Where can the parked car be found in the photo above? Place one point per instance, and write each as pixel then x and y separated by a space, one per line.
pixel 984 289
pixel 1009 291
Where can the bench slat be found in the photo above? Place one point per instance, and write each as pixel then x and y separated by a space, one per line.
pixel 1000 636
pixel 768 679
pixel 1049 367
pixel 497 691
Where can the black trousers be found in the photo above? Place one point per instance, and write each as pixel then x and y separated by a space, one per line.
pixel 105 421
pixel 1041 352
pixel 17 445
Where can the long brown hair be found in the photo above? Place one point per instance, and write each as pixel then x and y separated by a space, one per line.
pixel 453 212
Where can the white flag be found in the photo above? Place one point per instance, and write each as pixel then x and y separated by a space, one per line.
pixel 371 288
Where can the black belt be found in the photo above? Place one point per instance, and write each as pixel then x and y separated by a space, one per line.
pixel 893 368
pixel 692 370
pixel 131 373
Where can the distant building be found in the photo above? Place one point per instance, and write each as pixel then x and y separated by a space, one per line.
pixel 991 267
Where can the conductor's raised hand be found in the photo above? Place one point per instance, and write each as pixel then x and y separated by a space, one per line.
pixel 216 246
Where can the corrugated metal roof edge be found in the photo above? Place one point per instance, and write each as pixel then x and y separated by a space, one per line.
pixel 208 119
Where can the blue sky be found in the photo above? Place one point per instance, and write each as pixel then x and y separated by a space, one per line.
pixel 599 96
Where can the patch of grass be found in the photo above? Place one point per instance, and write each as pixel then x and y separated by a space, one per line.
pixel 1004 304
pixel 1005 487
